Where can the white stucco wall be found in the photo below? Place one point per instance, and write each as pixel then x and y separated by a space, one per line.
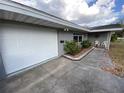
pixel 24 45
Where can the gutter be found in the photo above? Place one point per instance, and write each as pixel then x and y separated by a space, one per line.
pixel 108 30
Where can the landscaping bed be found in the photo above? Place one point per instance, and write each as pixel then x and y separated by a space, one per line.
pixel 79 55
pixel 77 50
pixel 82 51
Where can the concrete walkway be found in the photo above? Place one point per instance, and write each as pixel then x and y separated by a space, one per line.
pixel 97 58
pixel 65 76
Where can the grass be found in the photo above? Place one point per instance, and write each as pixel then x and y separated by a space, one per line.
pixel 117 53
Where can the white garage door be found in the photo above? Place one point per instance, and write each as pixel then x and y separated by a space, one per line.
pixel 24 46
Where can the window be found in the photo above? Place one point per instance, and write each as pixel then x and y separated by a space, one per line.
pixel 80 38
pixel 77 37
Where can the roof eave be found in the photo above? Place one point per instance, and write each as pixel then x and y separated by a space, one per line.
pixel 14 7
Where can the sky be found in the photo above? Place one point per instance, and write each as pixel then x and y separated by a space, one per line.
pixel 88 13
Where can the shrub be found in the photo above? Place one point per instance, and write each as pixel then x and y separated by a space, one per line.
pixel 71 47
pixel 114 37
pixel 86 44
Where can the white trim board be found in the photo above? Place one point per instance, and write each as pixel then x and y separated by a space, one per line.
pixel 105 30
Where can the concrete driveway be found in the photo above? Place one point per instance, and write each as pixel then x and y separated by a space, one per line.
pixel 65 76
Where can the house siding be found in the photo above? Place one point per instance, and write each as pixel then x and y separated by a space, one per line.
pixel 63 36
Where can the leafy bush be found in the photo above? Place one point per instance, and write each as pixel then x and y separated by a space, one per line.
pixel 86 44
pixel 114 37
pixel 71 47
pixel 120 34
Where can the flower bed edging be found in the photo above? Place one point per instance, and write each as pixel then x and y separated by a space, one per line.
pixel 80 57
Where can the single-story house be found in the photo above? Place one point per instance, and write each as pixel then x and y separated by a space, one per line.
pixel 29 37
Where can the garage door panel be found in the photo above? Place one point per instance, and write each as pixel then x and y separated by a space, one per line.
pixel 26 46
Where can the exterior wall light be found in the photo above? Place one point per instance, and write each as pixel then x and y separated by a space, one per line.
pixel 66 29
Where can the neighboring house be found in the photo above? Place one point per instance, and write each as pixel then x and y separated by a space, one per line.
pixel 29 37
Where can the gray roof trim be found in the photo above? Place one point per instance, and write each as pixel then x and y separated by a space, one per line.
pixel 11 6
pixel 107 30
